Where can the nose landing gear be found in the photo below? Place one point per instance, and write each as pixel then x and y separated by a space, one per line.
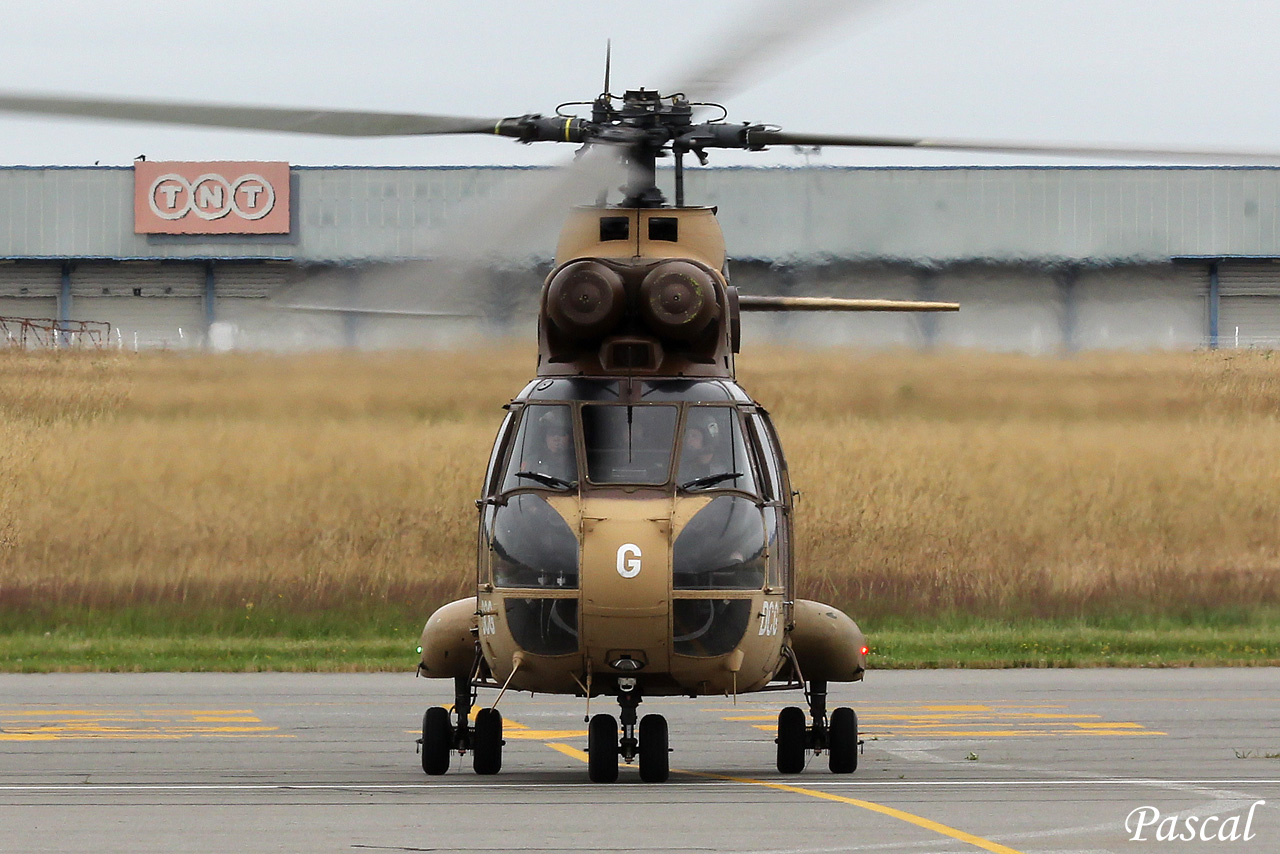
pixel 837 735
pixel 441 736
pixel 649 743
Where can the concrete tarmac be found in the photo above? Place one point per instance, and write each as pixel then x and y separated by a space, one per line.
pixel 1002 761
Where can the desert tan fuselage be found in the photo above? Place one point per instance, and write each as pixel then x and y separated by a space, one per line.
pixel 616 557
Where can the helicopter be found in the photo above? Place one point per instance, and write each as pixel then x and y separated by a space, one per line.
pixel 635 527
pixel 635 523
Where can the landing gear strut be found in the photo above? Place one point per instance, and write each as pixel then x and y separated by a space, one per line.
pixel 837 735
pixel 441 736
pixel 649 741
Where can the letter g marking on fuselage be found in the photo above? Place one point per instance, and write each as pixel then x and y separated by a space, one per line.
pixel 629 560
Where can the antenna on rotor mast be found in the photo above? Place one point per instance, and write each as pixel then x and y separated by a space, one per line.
pixel 608 60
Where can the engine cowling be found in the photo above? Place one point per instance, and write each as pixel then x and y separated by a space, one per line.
pixel 678 300
pixel 585 300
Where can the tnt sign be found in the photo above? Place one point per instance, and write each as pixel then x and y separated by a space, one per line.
pixel 210 198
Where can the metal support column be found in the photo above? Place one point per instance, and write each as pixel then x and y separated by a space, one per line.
pixel 1069 317
pixel 351 319
pixel 1214 294
pixel 927 290
pixel 210 300
pixel 64 305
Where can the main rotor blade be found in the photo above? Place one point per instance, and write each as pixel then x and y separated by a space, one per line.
pixel 328 122
pixel 761 37
pixel 765 303
pixel 512 227
pixel 762 137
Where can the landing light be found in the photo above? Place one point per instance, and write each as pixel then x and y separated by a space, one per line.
pixel 628 664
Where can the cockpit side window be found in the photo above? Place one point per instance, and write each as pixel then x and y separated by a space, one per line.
pixel 491 475
pixel 713 452
pixel 767 452
pixel 629 444
pixel 543 452
pixel 778 501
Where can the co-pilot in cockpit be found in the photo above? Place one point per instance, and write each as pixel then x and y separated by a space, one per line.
pixel 544 451
pixel 713 452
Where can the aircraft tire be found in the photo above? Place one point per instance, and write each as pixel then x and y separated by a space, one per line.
pixel 791 737
pixel 655 766
pixel 602 749
pixel 486 747
pixel 437 740
pixel 843 738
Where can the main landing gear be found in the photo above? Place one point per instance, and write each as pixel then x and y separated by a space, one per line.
pixel 838 735
pixel 650 743
pixel 441 736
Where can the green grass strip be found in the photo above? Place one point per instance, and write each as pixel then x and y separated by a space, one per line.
pixel 978 647
pixel 62 653
pixel 1076 646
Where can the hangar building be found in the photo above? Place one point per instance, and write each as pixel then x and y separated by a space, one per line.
pixel 1043 259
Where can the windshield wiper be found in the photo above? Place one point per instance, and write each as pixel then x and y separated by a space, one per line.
pixel 548 480
pixel 710 480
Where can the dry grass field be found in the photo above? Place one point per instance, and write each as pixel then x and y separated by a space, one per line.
pixel 285 493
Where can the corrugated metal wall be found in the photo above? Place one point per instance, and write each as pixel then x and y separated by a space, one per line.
pixel 1249 307
pixel 1095 215
pixel 148 304
pixel 29 290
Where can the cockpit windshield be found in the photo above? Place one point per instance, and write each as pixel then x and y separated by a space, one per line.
pixel 713 452
pixel 544 454
pixel 629 444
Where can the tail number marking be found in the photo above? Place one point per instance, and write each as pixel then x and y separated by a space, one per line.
pixel 770 618
pixel 488 617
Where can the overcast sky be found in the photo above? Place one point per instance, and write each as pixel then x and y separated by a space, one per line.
pixel 1144 72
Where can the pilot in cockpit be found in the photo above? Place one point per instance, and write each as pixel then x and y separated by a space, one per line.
pixel 548 449
pixel 700 455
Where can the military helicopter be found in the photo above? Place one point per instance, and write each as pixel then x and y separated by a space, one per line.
pixel 635 524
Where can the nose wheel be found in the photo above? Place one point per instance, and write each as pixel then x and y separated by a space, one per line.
pixel 649 742
pixel 602 749
pixel 838 735
pixel 441 735
pixel 654 752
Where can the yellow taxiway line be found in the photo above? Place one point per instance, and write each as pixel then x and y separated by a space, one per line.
pixel 132 724
pixel 901 815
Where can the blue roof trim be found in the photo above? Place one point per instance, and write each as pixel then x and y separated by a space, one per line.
pixel 182 260
pixel 440 168
pixel 22 168
pixel 1225 258
pixel 1041 168
pixel 1110 167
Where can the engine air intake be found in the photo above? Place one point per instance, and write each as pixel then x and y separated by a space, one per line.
pixel 585 300
pixel 678 300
